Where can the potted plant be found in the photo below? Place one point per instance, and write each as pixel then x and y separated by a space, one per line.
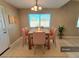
pixel 60 30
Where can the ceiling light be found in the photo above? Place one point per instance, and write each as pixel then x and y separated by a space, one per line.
pixel 36 7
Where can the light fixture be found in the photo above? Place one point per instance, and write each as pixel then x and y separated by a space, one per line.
pixel 36 7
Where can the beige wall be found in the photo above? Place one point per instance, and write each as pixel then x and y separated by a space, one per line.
pixel 66 15
pixel 13 29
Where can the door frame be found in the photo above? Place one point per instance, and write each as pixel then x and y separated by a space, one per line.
pixel 5 20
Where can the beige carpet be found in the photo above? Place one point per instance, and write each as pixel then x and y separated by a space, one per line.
pixel 19 51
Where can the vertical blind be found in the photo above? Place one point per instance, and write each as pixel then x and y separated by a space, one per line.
pixel 39 20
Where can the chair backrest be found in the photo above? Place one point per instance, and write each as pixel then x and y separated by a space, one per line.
pixel 24 31
pixel 53 31
pixel 39 38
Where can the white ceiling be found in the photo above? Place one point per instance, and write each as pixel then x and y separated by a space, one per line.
pixel 43 3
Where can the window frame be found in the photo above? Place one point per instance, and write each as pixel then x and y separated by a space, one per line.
pixel 77 23
pixel 40 13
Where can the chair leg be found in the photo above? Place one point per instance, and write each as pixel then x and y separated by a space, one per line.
pixel 23 41
pixel 36 48
pixel 44 50
pixel 54 42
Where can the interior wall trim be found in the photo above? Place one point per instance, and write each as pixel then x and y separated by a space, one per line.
pixel 14 43
pixel 72 37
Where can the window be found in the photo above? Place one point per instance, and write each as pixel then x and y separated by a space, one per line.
pixel 39 20
pixel 34 20
pixel 78 23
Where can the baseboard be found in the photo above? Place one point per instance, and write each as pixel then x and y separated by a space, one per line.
pixel 73 37
pixel 4 51
pixel 15 42
pixel 11 45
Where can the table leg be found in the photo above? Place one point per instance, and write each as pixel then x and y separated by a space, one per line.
pixel 48 44
pixel 29 43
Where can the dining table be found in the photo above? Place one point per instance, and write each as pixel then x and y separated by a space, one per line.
pixel 31 31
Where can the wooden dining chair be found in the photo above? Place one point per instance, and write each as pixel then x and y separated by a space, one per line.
pixel 39 39
pixel 56 42
pixel 24 35
pixel 53 35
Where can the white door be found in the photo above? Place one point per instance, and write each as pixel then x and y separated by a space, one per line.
pixel 4 39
